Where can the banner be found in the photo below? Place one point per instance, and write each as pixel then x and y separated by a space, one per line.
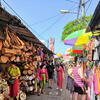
pixel 51 44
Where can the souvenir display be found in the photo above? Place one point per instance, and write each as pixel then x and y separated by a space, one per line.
pixel 4 88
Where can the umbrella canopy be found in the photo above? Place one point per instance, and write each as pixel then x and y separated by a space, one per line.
pixel 70 50
pixel 55 56
pixel 80 47
pixel 78 38
pixel 58 55
pixel 77 51
pixel 73 55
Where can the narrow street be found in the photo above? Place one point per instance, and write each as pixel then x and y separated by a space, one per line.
pixel 42 39
pixel 52 94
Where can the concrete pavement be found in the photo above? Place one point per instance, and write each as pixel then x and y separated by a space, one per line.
pixel 52 94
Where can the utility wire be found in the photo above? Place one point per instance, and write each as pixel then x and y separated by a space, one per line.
pixel 72 8
pixel 45 19
pixel 79 6
pixel 86 1
pixel 72 1
pixel 21 18
pixel 88 5
pixel 52 24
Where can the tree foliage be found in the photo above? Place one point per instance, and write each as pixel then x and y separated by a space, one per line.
pixel 76 25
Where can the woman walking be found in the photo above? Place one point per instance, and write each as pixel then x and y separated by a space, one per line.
pixel 60 76
pixel 43 76
pixel 70 81
pixel 78 81
pixel 50 69
pixel 13 74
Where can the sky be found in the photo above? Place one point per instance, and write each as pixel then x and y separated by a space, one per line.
pixel 45 19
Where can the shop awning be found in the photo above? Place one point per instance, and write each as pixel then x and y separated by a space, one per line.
pixel 19 28
pixel 95 21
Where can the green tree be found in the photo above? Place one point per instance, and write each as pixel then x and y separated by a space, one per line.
pixel 76 25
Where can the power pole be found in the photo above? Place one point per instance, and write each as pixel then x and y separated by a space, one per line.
pixel 0 3
pixel 83 8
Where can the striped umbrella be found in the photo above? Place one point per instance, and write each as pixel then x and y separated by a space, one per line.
pixel 78 38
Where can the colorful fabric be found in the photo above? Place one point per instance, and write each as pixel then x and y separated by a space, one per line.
pixel 13 72
pixel 42 73
pixel 41 54
pixel 92 90
pixel 77 79
pixel 43 78
pixel 60 77
pixel 41 86
pixel 13 89
pixel 98 73
pixel 95 81
pixel 89 88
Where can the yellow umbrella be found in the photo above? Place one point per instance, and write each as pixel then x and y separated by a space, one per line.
pixel 58 55
pixel 70 50
pixel 83 38
pixel 79 38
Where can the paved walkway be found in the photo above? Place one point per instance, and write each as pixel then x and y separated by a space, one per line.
pixel 52 94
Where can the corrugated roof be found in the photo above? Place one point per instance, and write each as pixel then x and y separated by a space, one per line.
pixel 19 28
pixel 95 21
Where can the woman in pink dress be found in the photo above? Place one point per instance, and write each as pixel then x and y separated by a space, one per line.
pixel 60 73
pixel 43 76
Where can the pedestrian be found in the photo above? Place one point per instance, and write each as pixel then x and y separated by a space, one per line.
pixel 78 81
pixel 70 81
pixel 43 76
pixel 13 75
pixel 60 76
pixel 50 69
pixel 55 75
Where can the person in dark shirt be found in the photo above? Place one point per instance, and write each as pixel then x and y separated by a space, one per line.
pixel 50 69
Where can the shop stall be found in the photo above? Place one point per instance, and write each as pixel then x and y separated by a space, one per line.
pixel 20 46
pixel 94 56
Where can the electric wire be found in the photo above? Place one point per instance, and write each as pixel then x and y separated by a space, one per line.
pixel 72 8
pixel 26 22
pixel 88 6
pixel 72 1
pixel 29 25
pixel 47 19
pixel 22 19
pixel 46 30
pixel 86 1
pixel 52 24
pixel 79 6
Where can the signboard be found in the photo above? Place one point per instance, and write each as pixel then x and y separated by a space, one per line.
pixel 51 45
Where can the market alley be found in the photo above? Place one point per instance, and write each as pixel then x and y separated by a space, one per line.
pixel 52 94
